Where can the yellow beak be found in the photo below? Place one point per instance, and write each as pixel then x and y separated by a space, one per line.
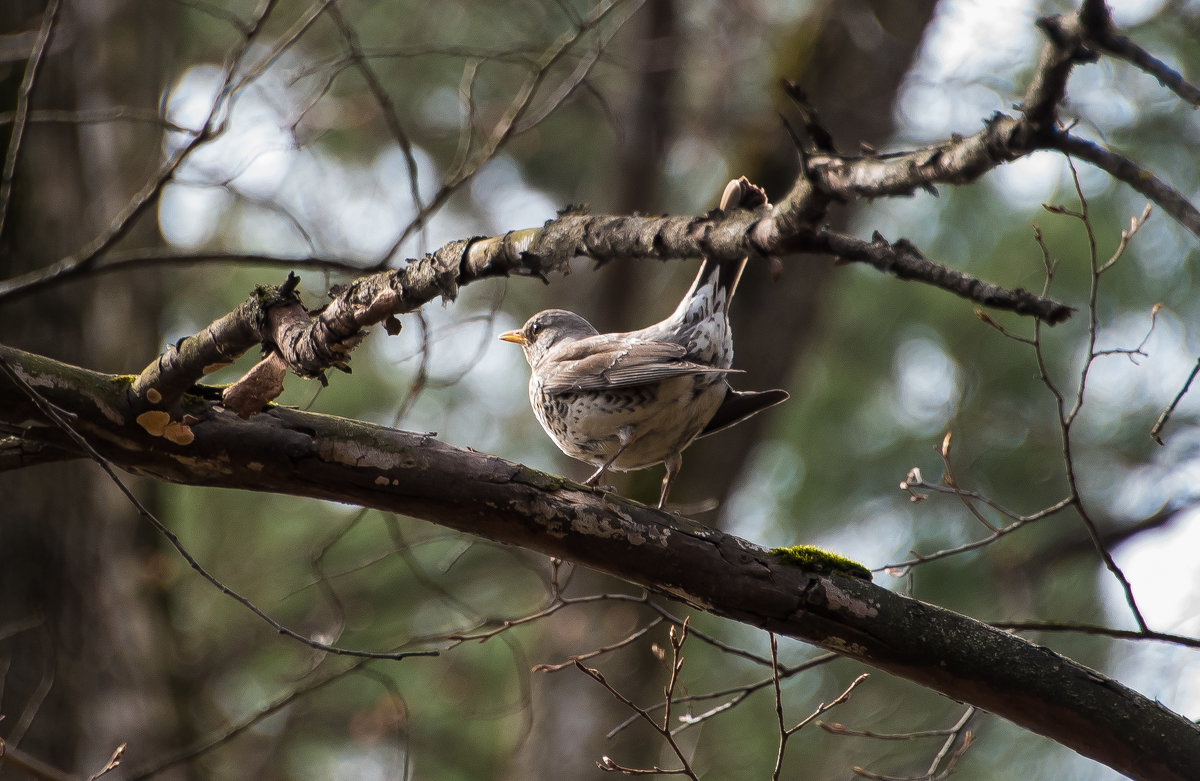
pixel 516 337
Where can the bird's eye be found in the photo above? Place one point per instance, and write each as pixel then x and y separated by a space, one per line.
pixel 533 329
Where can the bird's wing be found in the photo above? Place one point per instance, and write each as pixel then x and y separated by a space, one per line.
pixel 600 364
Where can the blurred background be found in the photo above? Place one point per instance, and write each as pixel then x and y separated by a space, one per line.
pixel 360 134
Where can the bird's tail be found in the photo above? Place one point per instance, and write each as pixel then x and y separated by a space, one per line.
pixel 719 276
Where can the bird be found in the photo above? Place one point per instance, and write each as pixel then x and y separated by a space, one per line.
pixel 627 401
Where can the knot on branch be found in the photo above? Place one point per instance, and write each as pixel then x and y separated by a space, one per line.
pixel 269 297
pixel 1067 35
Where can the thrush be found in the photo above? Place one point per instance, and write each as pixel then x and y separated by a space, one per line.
pixel 627 401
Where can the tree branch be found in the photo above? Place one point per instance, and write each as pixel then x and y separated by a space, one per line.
pixel 21 115
pixel 311 346
pixel 1122 168
pixel 1102 34
pixel 904 260
pixel 303 454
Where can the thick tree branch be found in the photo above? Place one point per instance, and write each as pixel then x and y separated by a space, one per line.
pixel 310 346
pixel 18 453
pixel 303 454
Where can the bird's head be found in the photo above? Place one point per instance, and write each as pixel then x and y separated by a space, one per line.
pixel 547 329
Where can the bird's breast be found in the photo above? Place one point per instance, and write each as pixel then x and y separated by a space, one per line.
pixel 664 417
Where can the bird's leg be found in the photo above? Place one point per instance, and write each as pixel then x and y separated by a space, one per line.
pixel 672 462
pixel 624 437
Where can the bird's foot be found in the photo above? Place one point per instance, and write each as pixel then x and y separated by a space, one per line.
pixel 691 509
pixel 597 476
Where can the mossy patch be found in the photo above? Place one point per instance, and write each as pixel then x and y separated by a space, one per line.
pixel 814 558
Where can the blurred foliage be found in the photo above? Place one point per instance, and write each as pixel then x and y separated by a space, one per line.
pixel 890 369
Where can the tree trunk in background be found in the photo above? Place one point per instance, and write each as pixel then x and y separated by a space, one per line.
pixel 571 713
pixel 82 624
pixel 851 74
pixel 851 69
pixel 648 128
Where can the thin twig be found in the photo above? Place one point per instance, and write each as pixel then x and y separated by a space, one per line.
pixel 505 127
pixel 24 95
pixel 786 732
pixel 94 116
pixel 605 649
pixel 1091 629
pixel 944 760
pixel 234 729
pixel 1165 415
pixel 391 117
pixel 1067 418
pixel 948 477
pixel 736 695
pixel 1140 179
pixel 606 763
pixel 113 763
pixel 142 200
pixel 915 482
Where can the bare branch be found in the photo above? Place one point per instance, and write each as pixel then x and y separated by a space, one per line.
pixel 785 731
pixel 18 453
pixel 59 420
pixel 1103 631
pixel 733 696
pixel 605 649
pixel 150 257
pixel 914 483
pixel 1101 34
pixel 506 126
pixel 943 762
pixel 40 44
pixel 216 12
pixel 1004 138
pixel 320 456
pixel 607 763
pixel 309 347
pixel 1165 415
pixel 1068 417
pixel 1145 182
pixel 235 728
pixel 948 478
pixel 113 763
pixel 841 729
pixel 94 116
pixel 81 261
pixel 391 117
pixel 904 260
